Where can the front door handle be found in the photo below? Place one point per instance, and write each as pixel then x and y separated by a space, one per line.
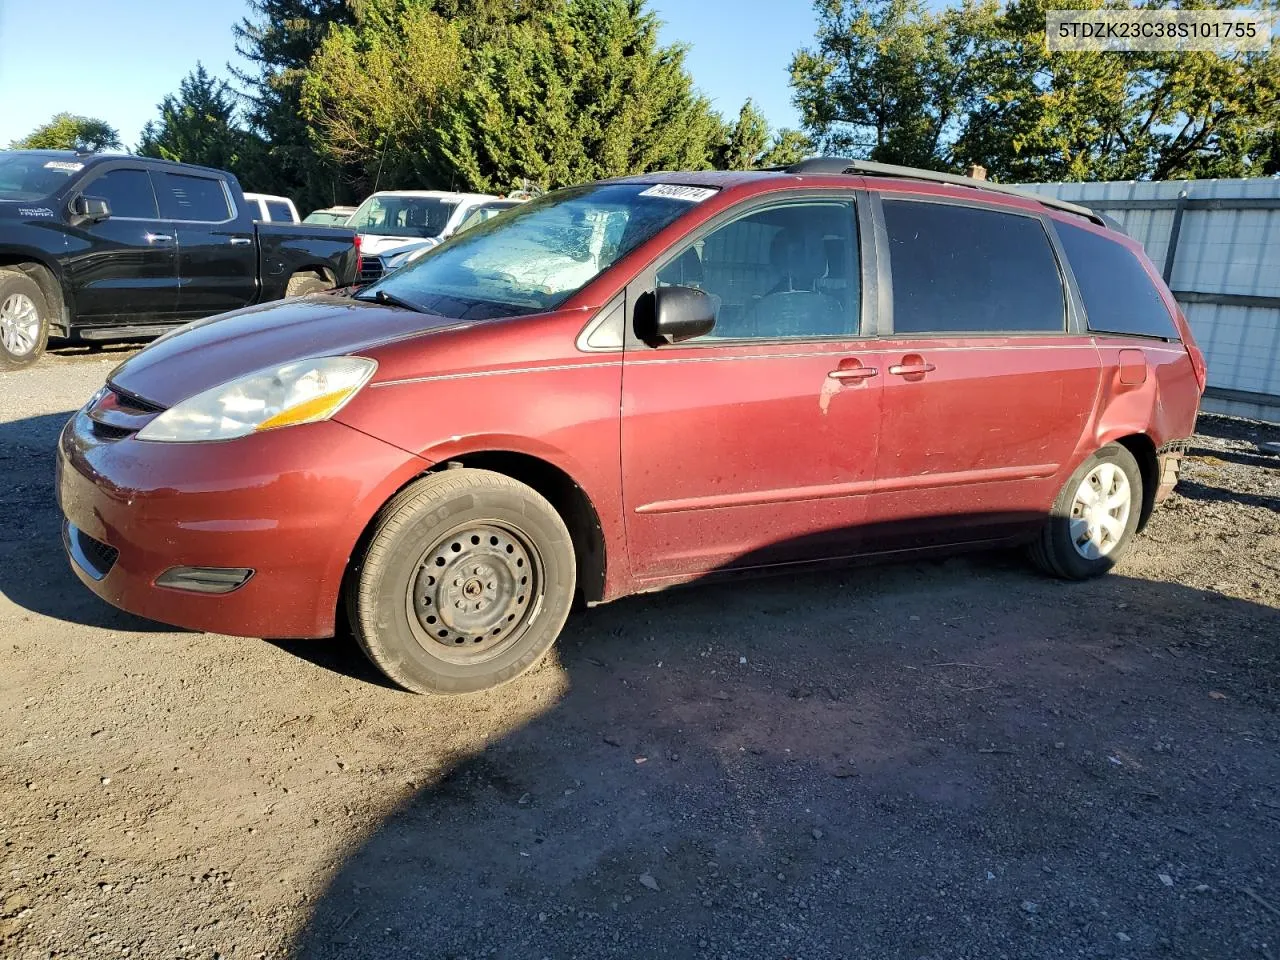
pixel 240 241
pixel 853 373
pixel 159 238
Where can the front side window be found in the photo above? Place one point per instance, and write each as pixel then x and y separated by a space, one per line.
pixel 786 271
pixel 536 255
pixel 1118 295
pixel 964 270
pixel 128 193
pixel 403 216
pixel 186 197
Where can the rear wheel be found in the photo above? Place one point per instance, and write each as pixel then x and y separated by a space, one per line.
pixel 300 284
pixel 24 320
pixel 1094 518
pixel 466 583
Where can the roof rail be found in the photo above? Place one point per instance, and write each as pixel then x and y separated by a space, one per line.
pixel 871 168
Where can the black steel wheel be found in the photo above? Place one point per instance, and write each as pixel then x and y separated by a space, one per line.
pixel 466 582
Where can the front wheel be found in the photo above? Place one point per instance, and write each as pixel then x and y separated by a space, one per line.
pixel 24 320
pixel 466 583
pixel 1094 518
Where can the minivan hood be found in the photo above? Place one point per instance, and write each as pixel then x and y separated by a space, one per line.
pixel 217 349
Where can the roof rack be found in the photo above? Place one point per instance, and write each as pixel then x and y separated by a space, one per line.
pixel 871 168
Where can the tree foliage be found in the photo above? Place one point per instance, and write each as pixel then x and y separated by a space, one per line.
pixel 201 125
pixel 67 132
pixel 279 38
pixel 897 81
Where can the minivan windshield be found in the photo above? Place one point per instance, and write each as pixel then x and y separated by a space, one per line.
pixel 34 176
pixel 391 215
pixel 536 255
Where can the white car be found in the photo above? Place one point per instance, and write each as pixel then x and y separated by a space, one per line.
pixel 408 219
pixel 270 209
pixel 393 258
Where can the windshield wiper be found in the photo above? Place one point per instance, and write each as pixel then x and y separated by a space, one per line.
pixel 390 299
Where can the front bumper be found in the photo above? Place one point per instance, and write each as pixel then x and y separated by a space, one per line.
pixel 289 505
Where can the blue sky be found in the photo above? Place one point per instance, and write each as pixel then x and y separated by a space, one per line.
pixel 115 59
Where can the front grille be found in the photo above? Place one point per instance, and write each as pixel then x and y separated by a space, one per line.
pixel 115 414
pixel 370 269
pixel 92 556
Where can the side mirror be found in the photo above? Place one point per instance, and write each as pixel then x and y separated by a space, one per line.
pixel 91 209
pixel 681 313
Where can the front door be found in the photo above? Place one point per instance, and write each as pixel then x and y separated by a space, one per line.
pixel 123 269
pixel 755 444
pixel 217 256
pixel 988 387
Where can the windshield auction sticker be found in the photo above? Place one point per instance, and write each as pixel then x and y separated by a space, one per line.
pixel 676 191
pixel 64 165
pixel 1221 31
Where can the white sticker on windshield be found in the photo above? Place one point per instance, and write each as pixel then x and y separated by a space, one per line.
pixel 676 191
pixel 64 165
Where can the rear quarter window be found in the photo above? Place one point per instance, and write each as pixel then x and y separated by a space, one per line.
pixel 279 212
pixel 1119 296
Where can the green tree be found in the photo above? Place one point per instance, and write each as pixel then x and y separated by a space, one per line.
pixel 581 92
pixel 1116 116
pixel 279 38
pixel 746 141
pixel 200 125
pixel 888 80
pixel 373 93
pixel 788 147
pixel 67 132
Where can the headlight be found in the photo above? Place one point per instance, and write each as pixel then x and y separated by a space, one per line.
pixel 301 392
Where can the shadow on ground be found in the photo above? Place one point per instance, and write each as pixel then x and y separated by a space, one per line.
pixel 941 760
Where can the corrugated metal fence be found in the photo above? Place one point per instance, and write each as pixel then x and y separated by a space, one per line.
pixel 1218 244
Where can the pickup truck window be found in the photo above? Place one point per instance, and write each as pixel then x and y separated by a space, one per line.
pixel 128 192
pixel 33 176
pixel 535 256
pixel 197 199
pixel 402 216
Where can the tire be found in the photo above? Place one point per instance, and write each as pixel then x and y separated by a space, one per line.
pixel 24 320
pixel 1071 546
pixel 445 541
pixel 300 284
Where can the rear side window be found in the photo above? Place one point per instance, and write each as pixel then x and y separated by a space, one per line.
pixel 127 192
pixel 184 197
pixel 1118 294
pixel 964 270
pixel 278 212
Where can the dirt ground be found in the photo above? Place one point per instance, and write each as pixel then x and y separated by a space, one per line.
pixel 955 759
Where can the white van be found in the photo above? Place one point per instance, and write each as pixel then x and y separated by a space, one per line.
pixel 271 209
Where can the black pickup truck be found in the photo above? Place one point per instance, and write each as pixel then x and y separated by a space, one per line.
pixel 102 246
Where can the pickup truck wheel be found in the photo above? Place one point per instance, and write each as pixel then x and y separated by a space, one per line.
pixel 24 320
pixel 466 583
pixel 1094 518
pixel 300 284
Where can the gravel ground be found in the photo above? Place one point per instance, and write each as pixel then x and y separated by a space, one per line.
pixel 954 759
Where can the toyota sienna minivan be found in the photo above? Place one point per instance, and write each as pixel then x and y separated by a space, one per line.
pixel 631 384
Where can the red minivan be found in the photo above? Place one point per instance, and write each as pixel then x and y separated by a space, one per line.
pixel 631 384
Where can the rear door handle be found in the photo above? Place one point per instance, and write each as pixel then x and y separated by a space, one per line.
pixel 853 373
pixel 911 369
pixel 240 241
pixel 159 238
